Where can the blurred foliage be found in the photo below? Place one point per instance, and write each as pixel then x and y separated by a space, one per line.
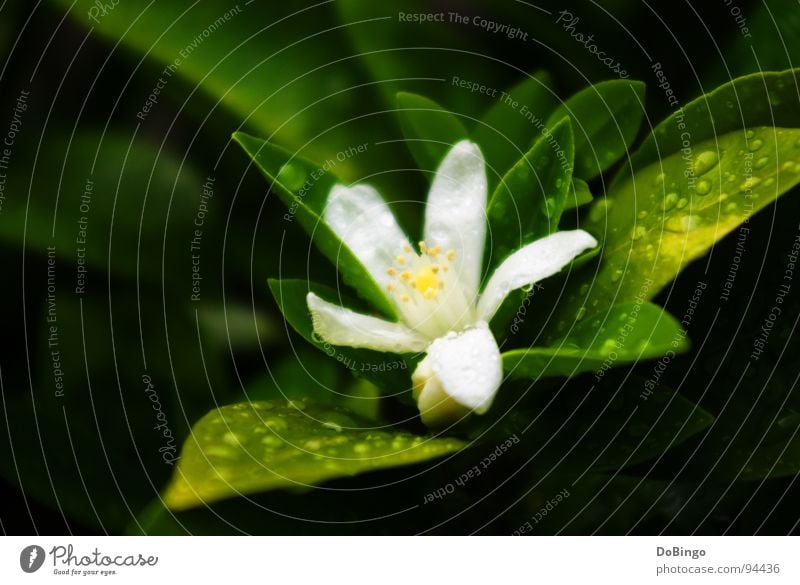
pixel 317 80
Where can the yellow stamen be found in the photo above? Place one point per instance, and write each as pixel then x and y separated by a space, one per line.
pixel 423 247
pixel 405 298
pixel 405 275
pixel 426 282
pixel 433 252
pixel 390 287
pixel 391 271
pixel 451 255
pixel 406 248
pixel 401 260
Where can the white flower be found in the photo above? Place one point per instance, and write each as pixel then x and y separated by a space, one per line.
pixel 436 288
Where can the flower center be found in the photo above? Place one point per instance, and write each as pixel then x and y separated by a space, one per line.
pixel 427 286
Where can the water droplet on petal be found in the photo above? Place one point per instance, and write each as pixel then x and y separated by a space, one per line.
pixel 580 314
pixel 670 200
pixel 755 145
pixel 682 202
pixel 616 275
pixel 761 163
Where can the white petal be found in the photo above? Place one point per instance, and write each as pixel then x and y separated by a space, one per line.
pixel 340 326
pixel 465 366
pixel 455 217
pixel 530 264
pixel 363 221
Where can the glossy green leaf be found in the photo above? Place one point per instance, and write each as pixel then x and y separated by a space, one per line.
pixel 507 130
pixel 761 99
pixel 579 194
pixel 606 118
pixel 672 212
pixel 254 447
pixel 429 129
pixel 248 59
pixel 528 202
pixel 303 187
pixel 623 334
pixel 390 372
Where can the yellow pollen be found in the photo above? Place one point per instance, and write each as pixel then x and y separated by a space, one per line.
pixel 401 260
pixel 406 248
pixel 423 247
pixel 433 252
pixel 405 275
pixel 390 287
pixel 451 255
pixel 391 271
pixel 405 298
pixel 426 282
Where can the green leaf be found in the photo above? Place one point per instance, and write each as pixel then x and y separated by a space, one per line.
pixel 528 202
pixel 245 58
pixel 671 213
pixel 760 99
pixel 389 371
pixel 303 187
pixel 606 118
pixel 579 194
pixel 615 425
pixel 429 129
pixel 254 447
pixel 623 334
pixel 506 131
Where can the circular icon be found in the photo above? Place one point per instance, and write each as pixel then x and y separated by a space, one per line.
pixel 31 558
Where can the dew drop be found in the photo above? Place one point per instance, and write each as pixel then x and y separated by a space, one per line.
pixel 642 214
pixel 329 424
pixel 639 232
pixel 682 224
pixel 755 145
pixel 616 275
pixel 670 200
pixel 580 314
pixel 769 181
pixel 703 187
pixel 705 161
pixel 731 207
pixel 682 202
pixel 749 183
pixel 761 163
pixel 658 181
pixel 292 176
pixel 749 134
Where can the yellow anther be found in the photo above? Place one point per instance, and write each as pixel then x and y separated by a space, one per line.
pixel 405 275
pixel 423 247
pixel 451 255
pixel 390 287
pixel 391 271
pixel 405 298
pixel 435 268
pixel 406 248
pixel 434 251
pixel 401 260
pixel 426 282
